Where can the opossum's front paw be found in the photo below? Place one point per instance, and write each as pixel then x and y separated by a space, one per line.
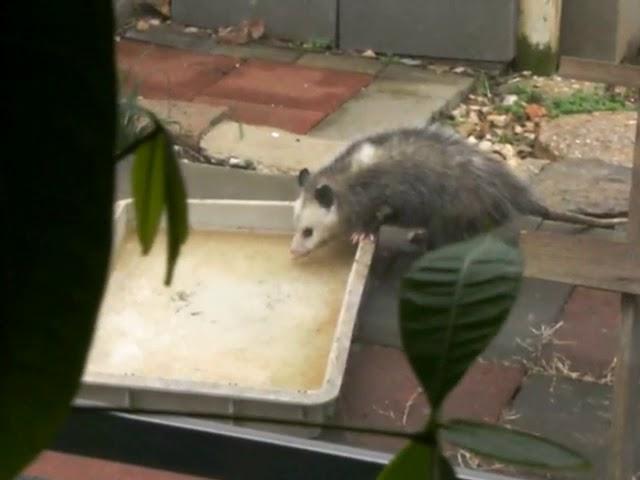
pixel 362 236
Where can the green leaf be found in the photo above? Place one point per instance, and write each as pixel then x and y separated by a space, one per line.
pixel 157 183
pixel 148 186
pixel 511 446
pixel 56 187
pixel 177 213
pixel 420 462
pixel 453 301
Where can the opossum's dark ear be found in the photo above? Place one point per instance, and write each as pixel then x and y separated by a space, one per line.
pixel 303 175
pixel 324 196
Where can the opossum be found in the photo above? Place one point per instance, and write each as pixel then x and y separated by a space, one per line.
pixel 425 178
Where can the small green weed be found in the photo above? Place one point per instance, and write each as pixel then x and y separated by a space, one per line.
pixel 483 86
pixel 528 94
pixel 317 44
pixel 506 138
pixel 516 110
pixel 388 58
pixel 579 101
pixel 585 102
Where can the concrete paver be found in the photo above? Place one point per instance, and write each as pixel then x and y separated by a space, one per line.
pixel 399 96
pixel 270 149
pixel 350 63
pixel 174 35
pixel 258 51
pixel 294 120
pixel 372 111
pixel 443 84
pixel 187 120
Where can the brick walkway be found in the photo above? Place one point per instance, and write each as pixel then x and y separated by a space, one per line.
pixel 290 97
pixel 63 466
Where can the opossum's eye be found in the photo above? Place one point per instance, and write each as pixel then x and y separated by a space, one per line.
pixel 307 232
pixel 324 196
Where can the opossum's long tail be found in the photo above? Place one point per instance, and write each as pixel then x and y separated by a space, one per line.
pixel 583 219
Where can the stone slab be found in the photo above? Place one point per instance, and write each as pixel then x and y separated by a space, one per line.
pixel 399 96
pixel 378 314
pixel 174 35
pixel 528 168
pixel 608 136
pixel 187 120
pixel 293 120
pixel 290 19
pixel 209 182
pixel 447 29
pixel 123 12
pixel 380 390
pixel 349 63
pixel 539 305
pixel 437 82
pixel 291 86
pixel 589 185
pixel 258 51
pixel 617 234
pixel 373 111
pixel 269 149
pixel 573 412
pixel 168 73
pixel 588 335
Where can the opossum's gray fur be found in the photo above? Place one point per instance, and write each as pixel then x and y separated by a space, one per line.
pixel 429 178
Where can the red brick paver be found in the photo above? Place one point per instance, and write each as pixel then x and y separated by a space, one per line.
pixel 380 390
pixel 63 466
pixel 289 97
pixel 588 336
pixel 292 86
pixel 288 119
pixel 169 73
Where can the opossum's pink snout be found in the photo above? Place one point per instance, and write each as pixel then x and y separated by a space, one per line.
pixel 297 252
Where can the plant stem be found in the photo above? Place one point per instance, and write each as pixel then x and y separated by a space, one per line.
pixel 133 146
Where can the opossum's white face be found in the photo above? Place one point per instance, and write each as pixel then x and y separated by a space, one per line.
pixel 315 219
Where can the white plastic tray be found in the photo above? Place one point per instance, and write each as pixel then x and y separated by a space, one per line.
pixel 243 328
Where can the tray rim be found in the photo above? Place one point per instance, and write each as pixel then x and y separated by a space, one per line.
pixel 338 354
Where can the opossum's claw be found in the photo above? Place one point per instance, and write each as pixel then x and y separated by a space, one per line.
pixel 361 237
pixel 419 238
